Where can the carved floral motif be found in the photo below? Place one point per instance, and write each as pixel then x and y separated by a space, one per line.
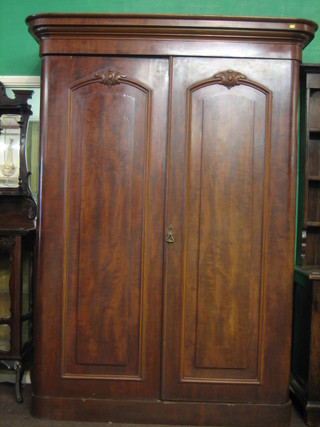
pixel 230 78
pixel 7 241
pixel 110 77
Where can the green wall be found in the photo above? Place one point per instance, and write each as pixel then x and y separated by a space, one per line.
pixel 19 52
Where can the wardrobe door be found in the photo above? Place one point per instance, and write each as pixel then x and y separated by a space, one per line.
pixel 230 215
pixel 102 208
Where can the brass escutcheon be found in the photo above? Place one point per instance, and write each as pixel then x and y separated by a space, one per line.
pixel 169 237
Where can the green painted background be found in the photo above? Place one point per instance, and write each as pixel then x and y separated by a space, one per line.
pixel 19 52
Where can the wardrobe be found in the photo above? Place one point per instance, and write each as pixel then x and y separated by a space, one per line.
pixel 166 217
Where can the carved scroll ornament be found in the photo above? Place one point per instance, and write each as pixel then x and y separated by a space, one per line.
pixel 110 77
pixel 229 78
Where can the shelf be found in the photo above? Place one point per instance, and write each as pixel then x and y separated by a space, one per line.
pixel 314 134
pixel 315 224
pixel 315 178
pixel 310 271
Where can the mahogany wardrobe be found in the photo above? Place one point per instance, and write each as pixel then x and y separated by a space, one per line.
pixel 166 217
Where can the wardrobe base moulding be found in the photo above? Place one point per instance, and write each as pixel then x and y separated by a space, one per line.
pixel 161 412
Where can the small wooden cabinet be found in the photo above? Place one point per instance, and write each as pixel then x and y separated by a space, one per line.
pixel 167 204
pixel 17 235
pixel 305 370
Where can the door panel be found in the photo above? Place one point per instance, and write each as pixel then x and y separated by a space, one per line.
pixel 111 225
pixel 216 286
pixel 224 224
pixel 113 211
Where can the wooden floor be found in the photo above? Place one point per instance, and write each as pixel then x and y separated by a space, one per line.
pixel 13 414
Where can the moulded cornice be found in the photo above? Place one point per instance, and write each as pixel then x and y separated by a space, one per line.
pixel 164 31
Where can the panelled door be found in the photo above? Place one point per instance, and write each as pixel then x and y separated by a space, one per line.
pixel 109 220
pixel 222 191
pixel 217 286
